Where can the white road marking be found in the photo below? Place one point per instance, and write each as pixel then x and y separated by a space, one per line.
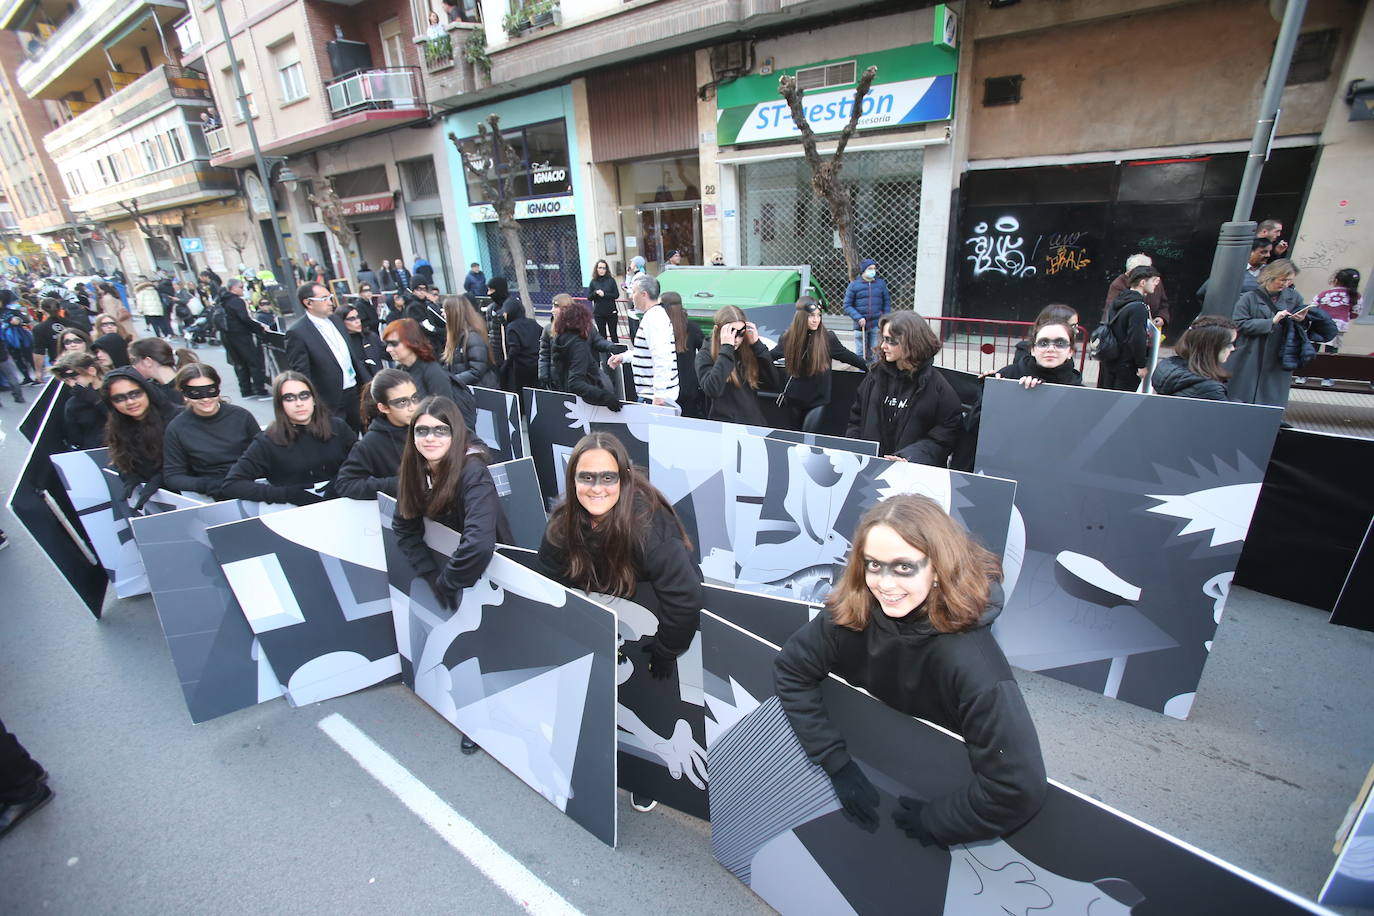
pixel 500 867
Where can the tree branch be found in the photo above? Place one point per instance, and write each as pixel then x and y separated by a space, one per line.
pixel 861 90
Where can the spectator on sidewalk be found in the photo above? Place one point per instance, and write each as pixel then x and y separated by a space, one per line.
pixel 1158 301
pixel 867 300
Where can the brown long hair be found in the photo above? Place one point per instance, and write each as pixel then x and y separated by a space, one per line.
pixel 461 316
pixel 677 315
pixel 407 330
pixel 1202 343
pixel 913 334
pixel 281 430
pixel 161 352
pixel 423 492
pixel 805 352
pixel 746 363
pixel 963 567
pixel 608 565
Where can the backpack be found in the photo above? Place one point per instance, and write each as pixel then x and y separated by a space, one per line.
pixel 1103 344
pixel 219 319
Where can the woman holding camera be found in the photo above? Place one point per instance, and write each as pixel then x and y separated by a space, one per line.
pixel 734 368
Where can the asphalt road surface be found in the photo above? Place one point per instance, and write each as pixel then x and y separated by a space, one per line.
pixel 364 804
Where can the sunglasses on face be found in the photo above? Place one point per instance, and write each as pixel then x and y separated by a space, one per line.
pixel 403 403
pixel 137 394
pixel 889 341
pixel 66 374
pixel 295 396
pixel 73 342
pixel 200 392
pixel 592 478
pixel 442 431
pixel 316 298
pixel 353 317
pixel 1052 343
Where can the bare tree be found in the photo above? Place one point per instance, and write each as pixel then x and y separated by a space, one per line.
pixel 141 221
pixel 336 221
pixel 492 161
pixel 825 174
pixel 239 242
pixel 115 241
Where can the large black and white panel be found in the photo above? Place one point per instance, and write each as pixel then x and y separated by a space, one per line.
pixel 498 423
pixel 219 663
pixel 776 823
pixel 312 584
pixel 523 666
pixel 1135 510
pixel 796 508
pixel 517 487
pixel 1351 882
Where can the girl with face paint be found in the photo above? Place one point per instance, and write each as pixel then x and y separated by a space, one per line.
pixel 910 622
pixel 205 440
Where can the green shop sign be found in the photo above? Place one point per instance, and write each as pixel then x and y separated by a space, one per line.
pixel 914 85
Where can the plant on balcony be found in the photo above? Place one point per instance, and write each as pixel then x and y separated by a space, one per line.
pixel 475 50
pixel 439 50
pixel 531 14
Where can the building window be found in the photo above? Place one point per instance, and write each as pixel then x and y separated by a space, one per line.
pixel 1312 57
pixel 149 156
pixel 286 57
pixel 418 178
pixel 100 167
pixel 361 182
pixel 178 152
pixel 1001 90
pixel 113 162
pixel 827 76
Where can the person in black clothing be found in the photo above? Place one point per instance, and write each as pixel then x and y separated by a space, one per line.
pixel 298 454
pixel 521 366
pixel 1129 319
pixel 807 349
pixel 241 336
pixel 613 530
pixel 467 349
pixel 137 420
pixel 687 343
pixel 1197 368
pixel 72 340
pixel 85 416
pixel 1048 358
pixel 602 291
pixel 910 622
pixel 498 314
pixel 444 479
pixel 423 306
pixel 572 365
pixel 23 781
pixel 601 347
pixel 111 349
pixel 374 465
pixel 904 404
pixel 203 442
pixel 154 359
pixel 412 352
pixel 366 345
pixel 735 368
pixel 317 347
pixel 367 275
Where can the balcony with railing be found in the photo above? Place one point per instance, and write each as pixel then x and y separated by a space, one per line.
pixel 66 53
pixel 216 140
pixel 384 89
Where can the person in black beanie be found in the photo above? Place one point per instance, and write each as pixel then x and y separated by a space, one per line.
pixel 298 454
pixel 203 442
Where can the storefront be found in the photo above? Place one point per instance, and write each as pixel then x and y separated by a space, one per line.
pixel 898 166
pixel 547 192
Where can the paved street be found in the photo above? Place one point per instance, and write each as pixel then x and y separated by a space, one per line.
pixel 261 811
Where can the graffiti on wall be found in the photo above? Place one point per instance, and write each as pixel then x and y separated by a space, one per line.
pixel 1065 251
pixel 1002 252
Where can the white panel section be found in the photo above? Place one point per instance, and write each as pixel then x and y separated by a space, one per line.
pixel 260 585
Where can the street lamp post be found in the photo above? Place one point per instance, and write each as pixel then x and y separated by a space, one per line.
pixel 1233 242
pixel 264 174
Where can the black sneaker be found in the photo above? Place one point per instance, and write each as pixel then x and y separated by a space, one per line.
pixel 14 812
pixel 642 802
pixel 469 746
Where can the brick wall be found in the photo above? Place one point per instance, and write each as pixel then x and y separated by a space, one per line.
pixel 359 23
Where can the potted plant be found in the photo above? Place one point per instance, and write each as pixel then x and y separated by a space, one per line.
pixel 475 50
pixel 541 13
pixel 439 50
pixel 516 22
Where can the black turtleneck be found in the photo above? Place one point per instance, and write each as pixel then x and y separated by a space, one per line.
pixel 197 452
pixel 290 470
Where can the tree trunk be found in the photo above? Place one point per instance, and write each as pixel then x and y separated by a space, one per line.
pixel 510 231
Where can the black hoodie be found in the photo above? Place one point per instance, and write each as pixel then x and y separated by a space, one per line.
pixel 1023 363
pixel 148 473
pixel 911 414
pixel 573 369
pixel 374 464
pixel 730 402
pixel 1172 376
pixel 115 346
pixel 960 681
pixel 521 366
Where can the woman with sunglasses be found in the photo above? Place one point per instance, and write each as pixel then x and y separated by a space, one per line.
pixel 613 530
pixel 1049 357
pixel 413 353
pixel 206 438
pixel 73 340
pixel 138 418
pixel 910 622
pixel 904 404
pixel 365 344
pixel 374 465
pixel 807 350
pixel 734 368
pixel 105 324
pixel 85 415
pixel 298 454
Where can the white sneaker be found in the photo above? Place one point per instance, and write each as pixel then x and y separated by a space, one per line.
pixel 641 802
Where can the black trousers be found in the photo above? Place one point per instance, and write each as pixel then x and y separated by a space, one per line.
pixel 18 771
pixel 349 409
pixel 246 357
pixel 609 326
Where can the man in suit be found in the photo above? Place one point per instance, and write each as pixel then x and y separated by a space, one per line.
pixel 241 333
pixel 317 345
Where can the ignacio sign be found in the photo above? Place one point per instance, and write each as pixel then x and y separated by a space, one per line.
pixel 914 85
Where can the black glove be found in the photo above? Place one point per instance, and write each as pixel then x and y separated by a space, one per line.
pixel 445 594
pixel 304 498
pixel 147 494
pixel 662 663
pixel 614 406
pixel 129 487
pixel 908 820
pixel 857 795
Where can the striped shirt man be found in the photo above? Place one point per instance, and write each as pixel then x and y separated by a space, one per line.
pixel 654 357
